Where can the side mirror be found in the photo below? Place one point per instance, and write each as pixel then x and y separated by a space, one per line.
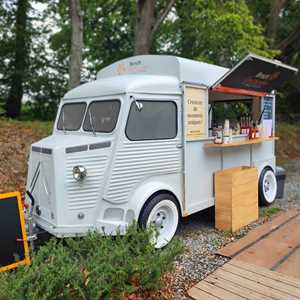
pixel 138 105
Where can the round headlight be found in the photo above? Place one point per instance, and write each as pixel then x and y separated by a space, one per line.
pixel 79 173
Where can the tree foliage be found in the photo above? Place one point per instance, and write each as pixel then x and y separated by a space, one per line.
pixel 216 31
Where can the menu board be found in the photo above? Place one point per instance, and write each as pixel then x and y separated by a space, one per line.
pixel 268 108
pixel 195 113
pixel 14 249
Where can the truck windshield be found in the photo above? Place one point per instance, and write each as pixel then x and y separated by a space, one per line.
pixel 102 116
pixel 71 116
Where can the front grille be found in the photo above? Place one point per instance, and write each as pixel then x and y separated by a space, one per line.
pixel 85 194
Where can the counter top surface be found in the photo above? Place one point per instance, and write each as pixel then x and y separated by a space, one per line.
pixel 242 142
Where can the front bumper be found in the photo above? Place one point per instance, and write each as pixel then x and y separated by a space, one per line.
pixel 61 231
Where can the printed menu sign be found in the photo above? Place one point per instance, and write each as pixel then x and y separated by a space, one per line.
pixel 268 108
pixel 195 113
pixel 268 115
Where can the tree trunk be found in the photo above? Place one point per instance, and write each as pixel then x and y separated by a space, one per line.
pixel 272 27
pixel 289 40
pixel 145 19
pixel 147 23
pixel 184 11
pixel 76 16
pixel 14 101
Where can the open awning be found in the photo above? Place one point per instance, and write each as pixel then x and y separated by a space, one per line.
pixel 254 76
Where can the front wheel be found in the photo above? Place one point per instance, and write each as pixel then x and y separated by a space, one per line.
pixel 267 187
pixel 162 213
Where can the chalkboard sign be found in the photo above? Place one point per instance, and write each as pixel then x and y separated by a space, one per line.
pixel 268 108
pixel 14 249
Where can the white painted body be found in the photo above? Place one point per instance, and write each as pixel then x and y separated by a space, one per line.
pixel 123 174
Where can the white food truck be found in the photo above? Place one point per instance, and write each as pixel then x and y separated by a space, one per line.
pixel 133 144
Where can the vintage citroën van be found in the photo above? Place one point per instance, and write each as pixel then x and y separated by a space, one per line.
pixel 134 144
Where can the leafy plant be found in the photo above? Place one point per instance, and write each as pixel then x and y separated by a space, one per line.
pixel 92 267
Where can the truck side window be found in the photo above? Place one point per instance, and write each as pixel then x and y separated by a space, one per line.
pixel 71 116
pixel 156 120
pixel 102 116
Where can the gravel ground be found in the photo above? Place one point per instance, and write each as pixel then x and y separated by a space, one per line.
pixel 202 240
pixel 292 186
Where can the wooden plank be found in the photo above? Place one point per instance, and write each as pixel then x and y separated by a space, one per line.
pixel 217 291
pixel 291 266
pixel 272 249
pixel 265 272
pixel 200 295
pixel 236 289
pixel 260 232
pixel 275 284
pixel 242 142
pixel 253 285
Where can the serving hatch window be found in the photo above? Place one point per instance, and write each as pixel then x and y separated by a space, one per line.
pixel 71 116
pixel 102 116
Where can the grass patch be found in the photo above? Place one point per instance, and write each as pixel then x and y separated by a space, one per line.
pixel 268 212
pixel 92 267
pixel 43 128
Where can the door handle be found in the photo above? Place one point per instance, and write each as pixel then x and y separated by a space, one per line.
pixel 179 146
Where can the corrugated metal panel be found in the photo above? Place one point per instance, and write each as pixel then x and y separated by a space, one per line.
pixel 136 161
pixel 83 195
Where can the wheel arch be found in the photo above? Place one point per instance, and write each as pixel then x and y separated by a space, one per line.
pixel 263 167
pixel 147 191
pixel 159 192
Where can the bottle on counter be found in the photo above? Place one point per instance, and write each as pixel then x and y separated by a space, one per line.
pixel 226 133
pixel 219 135
pixel 253 131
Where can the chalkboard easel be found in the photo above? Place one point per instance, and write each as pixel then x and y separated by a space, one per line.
pixel 14 250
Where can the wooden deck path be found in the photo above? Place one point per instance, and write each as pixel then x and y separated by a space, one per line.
pixel 239 280
pixel 274 245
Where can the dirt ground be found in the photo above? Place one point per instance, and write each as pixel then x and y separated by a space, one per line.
pixel 15 140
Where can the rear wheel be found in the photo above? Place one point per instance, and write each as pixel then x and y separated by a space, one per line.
pixel 267 187
pixel 161 212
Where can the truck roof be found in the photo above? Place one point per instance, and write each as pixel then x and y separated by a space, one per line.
pixel 148 74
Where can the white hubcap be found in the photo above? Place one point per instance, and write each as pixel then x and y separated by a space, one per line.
pixel 269 186
pixel 164 216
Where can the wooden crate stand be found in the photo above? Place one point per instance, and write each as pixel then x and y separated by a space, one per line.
pixel 236 197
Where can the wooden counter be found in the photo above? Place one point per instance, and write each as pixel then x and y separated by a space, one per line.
pixel 241 142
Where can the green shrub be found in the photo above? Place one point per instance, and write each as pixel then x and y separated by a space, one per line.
pixel 91 267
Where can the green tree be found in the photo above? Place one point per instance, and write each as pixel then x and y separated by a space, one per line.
pixel 19 62
pixel 7 13
pixel 217 31
pixel 281 22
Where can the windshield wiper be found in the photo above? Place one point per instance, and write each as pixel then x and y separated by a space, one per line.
pixel 92 122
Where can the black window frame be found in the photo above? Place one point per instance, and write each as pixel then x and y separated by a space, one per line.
pixel 96 101
pixel 154 101
pixel 83 115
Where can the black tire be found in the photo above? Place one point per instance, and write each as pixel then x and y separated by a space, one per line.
pixel 264 199
pixel 152 204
